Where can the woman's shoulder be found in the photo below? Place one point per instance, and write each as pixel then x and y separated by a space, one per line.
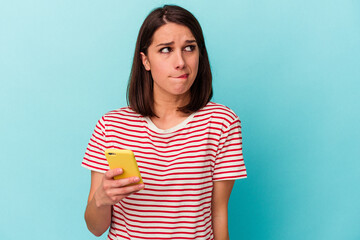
pixel 218 110
pixel 122 113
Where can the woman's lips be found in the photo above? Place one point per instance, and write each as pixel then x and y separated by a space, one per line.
pixel 183 76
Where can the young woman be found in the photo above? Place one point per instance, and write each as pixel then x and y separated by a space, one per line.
pixel 188 149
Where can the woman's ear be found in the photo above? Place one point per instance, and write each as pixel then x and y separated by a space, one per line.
pixel 145 61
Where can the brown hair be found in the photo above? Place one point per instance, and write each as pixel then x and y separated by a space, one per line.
pixel 140 87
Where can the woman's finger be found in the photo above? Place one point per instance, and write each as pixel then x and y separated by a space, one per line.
pixel 126 190
pixel 124 182
pixel 113 172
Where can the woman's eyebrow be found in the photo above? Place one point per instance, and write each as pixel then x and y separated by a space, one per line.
pixel 190 41
pixel 165 44
pixel 170 43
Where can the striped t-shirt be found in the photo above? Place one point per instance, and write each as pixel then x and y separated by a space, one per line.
pixel 178 167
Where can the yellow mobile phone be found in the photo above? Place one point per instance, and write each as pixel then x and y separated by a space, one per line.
pixel 124 159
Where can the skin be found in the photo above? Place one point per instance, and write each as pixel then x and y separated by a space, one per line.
pixel 173 60
pixel 219 208
pixel 104 193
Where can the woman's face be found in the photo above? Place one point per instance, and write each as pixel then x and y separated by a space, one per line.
pixel 173 59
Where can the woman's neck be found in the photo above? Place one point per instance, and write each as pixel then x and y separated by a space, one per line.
pixel 167 113
pixel 165 105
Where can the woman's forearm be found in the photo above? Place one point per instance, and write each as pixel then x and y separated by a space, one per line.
pixel 220 227
pixel 98 218
pixel 104 193
pixel 219 209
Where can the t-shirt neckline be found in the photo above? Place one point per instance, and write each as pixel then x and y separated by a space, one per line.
pixel 153 127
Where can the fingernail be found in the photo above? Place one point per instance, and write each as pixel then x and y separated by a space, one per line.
pixel 141 186
pixel 136 179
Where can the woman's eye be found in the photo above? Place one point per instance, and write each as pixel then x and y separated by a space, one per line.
pixel 165 50
pixel 189 48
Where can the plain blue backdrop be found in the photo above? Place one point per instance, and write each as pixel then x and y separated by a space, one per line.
pixel 289 69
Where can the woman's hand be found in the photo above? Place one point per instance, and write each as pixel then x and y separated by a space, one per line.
pixel 112 191
pixel 105 192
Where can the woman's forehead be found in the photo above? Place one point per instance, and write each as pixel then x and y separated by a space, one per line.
pixel 172 32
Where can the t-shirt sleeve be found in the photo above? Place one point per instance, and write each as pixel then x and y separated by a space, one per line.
pixel 229 163
pixel 94 158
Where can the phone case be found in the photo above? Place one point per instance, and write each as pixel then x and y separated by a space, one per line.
pixel 124 159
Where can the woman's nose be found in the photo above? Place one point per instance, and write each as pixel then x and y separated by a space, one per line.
pixel 179 60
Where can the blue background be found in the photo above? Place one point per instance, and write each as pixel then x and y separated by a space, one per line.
pixel 289 69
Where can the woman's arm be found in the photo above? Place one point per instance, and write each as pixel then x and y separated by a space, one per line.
pixel 219 207
pixel 97 218
pixel 105 192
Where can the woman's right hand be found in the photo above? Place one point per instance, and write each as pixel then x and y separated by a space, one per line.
pixel 112 191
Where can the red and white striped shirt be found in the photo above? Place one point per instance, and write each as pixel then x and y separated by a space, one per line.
pixel 178 167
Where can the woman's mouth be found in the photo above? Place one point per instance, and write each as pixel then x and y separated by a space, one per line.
pixel 183 76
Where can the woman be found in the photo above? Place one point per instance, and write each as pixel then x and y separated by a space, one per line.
pixel 188 149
